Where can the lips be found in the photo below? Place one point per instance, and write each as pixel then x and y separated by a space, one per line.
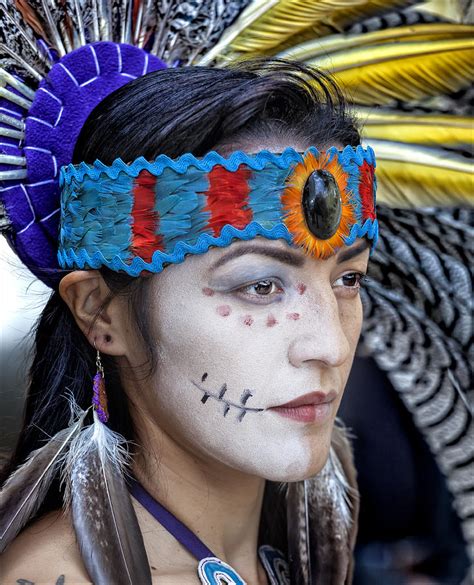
pixel 311 407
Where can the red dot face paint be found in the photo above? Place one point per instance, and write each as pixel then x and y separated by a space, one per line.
pixel 248 320
pixel 208 291
pixel 293 316
pixel 223 310
pixel 301 287
pixel 271 321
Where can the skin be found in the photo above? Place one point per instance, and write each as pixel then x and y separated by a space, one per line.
pixel 253 323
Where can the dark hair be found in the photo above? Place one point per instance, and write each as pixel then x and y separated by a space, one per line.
pixel 173 111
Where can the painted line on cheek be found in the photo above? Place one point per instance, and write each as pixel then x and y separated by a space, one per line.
pixel 301 287
pixel 271 321
pixel 204 376
pixel 208 291
pixel 246 394
pixel 222 391
pixel 293 316
pixel 228 404
pixel 248 320
pixel 223 310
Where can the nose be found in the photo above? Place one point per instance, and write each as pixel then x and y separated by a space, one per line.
pixel 321 336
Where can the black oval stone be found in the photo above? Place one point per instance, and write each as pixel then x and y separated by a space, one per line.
pixel 322 204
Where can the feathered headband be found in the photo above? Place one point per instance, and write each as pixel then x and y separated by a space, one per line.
pixel 144 215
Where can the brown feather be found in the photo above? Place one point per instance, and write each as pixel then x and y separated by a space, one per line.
pixel 25 490
pixel 322 519
pixel 105 522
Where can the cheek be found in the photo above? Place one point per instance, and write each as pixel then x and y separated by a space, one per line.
pixel 350 315
pixel 232 357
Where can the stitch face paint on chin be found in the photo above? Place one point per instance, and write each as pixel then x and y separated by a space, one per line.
pixel 277 364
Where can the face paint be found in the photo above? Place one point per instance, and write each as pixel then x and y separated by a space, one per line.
pixel 224 310
pixel 225 416
pixel 293 316
pixel 301 287
pixel 208 291
pixel 241 408
pixel 271 321
pixel 248 320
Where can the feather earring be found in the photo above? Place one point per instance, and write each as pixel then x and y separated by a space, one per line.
pixel 104 520
pixel 321 514
pixel 26 489
pixel 99 395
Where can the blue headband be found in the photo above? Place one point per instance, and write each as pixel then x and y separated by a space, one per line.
pixel 143 216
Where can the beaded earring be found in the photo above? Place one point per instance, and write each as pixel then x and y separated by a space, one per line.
pixel 99 397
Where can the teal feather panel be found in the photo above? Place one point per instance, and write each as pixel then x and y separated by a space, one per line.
pixel 181 202
pixel 266 188
pixel 97 214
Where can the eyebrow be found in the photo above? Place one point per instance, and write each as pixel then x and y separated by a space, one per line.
pixel 285 256
pixel 346 255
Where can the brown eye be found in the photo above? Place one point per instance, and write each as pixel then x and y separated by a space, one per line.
pixel 263 287
pixel 262 291
pixel 352 279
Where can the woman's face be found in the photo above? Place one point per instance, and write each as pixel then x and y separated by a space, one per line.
pixel 243 330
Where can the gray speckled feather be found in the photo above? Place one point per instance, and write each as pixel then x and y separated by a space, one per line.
pixel 25 490
pixel 418 328
pixel 321 514
pixel 104 520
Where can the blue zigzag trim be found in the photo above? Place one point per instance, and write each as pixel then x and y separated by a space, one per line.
pixel 181 164
pixel 370 228
pixel 81 259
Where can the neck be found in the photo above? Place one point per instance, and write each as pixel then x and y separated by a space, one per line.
pixel 220 505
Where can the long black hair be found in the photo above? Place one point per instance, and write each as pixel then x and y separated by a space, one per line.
pixel 173 111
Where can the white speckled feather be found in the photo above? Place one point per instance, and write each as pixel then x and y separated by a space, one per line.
pixel 105 522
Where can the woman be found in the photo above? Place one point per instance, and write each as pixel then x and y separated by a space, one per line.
pixel 224 372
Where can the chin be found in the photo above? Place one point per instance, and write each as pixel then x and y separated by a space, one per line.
pixel 290 466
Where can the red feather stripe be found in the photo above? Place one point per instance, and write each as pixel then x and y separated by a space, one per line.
pixel 227 198
pixel 366 190
pixel 145 218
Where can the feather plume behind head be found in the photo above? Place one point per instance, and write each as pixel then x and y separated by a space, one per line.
pixel 104 520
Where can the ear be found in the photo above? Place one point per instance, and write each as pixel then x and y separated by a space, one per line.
pixel 102 320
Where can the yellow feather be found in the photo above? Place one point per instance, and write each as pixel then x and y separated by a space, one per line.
pixel 409 176
pixel 265 24
pixel 379 74
pixel 451 10
pixel 324 47
pixel 428 129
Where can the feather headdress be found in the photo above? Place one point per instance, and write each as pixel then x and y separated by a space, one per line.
pixel 406 68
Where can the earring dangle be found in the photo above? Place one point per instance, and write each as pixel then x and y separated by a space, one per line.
pixel 99 398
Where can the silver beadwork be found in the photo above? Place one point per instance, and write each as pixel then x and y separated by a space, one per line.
pixel 16 161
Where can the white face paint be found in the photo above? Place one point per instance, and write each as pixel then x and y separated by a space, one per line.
pixel 238 336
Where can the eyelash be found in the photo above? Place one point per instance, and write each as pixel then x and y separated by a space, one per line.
pixel 351 290
pixel 241 291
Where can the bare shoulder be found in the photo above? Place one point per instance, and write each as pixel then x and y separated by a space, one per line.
pixel 45 552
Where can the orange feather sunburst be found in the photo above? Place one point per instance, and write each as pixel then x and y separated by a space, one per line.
pixel 293 210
